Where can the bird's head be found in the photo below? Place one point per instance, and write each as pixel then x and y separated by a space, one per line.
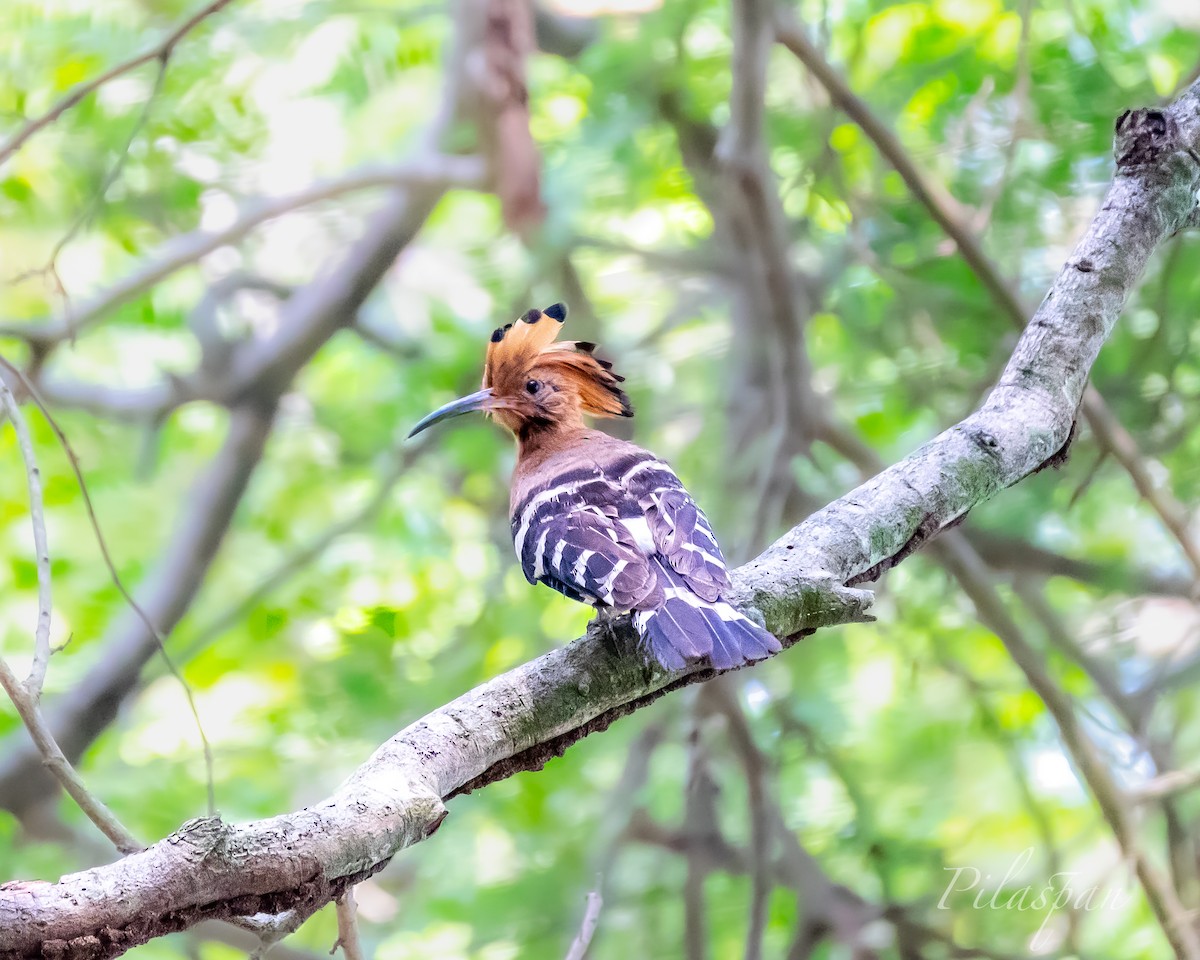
pixel 531 382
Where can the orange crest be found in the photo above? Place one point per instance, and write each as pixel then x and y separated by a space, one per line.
pixel 526 350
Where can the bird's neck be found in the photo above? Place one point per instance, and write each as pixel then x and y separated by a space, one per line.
pixel 543 454
pixel 538 441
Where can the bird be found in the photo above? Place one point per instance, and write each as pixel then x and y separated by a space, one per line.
pixel 598 518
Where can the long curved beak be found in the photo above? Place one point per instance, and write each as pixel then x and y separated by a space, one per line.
pixel 455 408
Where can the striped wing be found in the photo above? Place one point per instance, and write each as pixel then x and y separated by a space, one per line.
pixel 568 538
pixel 677 526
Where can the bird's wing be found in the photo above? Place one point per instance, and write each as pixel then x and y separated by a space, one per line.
pixel 677 526
pixel 566 537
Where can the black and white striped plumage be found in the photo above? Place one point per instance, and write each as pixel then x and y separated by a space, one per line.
pixel 596 518
pixel 608 524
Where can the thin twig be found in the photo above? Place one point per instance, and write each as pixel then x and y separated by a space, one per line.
pixel 25 696
pixel 37 517
pixel 57 763
pixel 723 696
pixel 587 929
pixel 161 51
pixel 1113 436
pixel 84 217
pixel 426 170
pixel 347 922
pixel 116 577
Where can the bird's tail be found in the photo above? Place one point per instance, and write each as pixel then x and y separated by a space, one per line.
pixel 687 627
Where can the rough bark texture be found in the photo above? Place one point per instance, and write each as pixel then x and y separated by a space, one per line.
pixel 518 720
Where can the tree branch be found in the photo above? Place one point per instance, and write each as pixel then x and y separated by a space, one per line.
pixel 347 921
pixel 79 716
pixel 161 51
pixel 37 517
pixel 1019 556
pixel 26 696
pixel 258 376
pixel 1169 784
pixel 587 928
pixel 425 173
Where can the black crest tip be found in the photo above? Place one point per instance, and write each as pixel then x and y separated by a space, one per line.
pixel 506 327
pixel 585 345
pixel 532 316
pixel 497 335
pixel 557 311
pixel 626 407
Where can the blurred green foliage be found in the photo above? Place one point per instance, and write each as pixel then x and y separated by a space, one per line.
pixel 898 750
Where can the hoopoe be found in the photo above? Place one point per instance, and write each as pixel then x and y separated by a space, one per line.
pixel 598 519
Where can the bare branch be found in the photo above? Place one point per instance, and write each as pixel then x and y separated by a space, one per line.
pixel 587 928
pixel 37 517
pixel 427 172
pixel 347 921
pixel 54 760
pixel 26 696
pixel 102 543
pixel 213 870
pixel 161 51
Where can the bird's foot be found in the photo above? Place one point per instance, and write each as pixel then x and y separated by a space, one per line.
pixel 605 627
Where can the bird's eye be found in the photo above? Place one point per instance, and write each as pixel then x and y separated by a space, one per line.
pixel 533 386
